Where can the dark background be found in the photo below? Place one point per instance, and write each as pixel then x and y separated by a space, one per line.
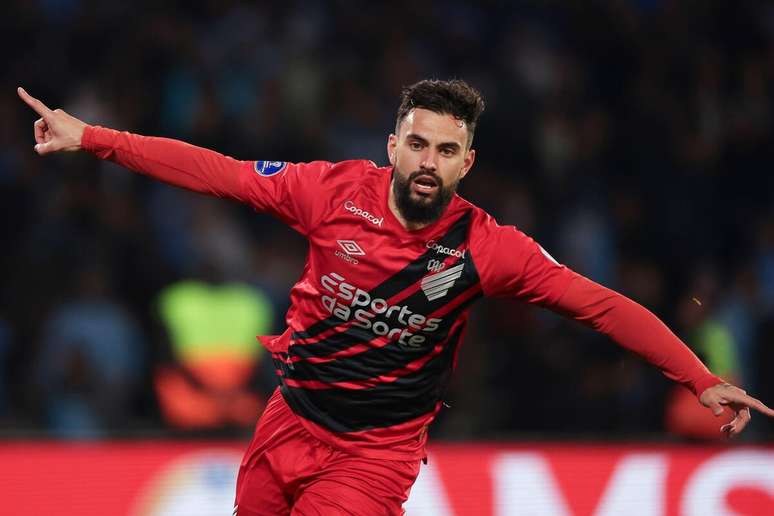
pixel 632 139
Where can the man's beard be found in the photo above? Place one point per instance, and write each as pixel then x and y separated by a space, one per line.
pixel 423 211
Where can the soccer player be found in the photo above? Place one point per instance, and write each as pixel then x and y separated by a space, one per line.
pixel 395 261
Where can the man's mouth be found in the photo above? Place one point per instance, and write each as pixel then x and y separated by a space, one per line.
pixel 424 185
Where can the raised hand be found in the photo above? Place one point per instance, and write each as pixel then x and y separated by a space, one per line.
pixel 724 394
pixel 55 130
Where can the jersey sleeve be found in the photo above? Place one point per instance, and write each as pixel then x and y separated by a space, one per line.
pixel 289 191
pixel 635 328
pixel 514 265
pixel 296 193
pixel 511 264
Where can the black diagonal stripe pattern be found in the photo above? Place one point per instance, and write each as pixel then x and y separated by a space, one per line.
pixel 417 301
pixel 387 404
pixel 393 285
pixel 377 361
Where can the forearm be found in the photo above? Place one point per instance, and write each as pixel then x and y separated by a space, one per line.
pixel 636 329
pixel 172 161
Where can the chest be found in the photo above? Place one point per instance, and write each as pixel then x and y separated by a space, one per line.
pixel 358 253
pixel 360 241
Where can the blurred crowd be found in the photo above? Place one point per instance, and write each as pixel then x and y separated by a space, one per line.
pixel 631 138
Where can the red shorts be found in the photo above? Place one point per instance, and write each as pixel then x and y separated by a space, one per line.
pixel 288 471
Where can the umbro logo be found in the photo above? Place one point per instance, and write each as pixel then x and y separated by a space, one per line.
pixel 437 285
pixel 350 247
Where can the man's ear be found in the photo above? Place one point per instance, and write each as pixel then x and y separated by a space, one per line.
pixel 392 146
pixel 467 164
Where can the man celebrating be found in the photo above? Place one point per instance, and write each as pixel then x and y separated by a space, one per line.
pixel 395 261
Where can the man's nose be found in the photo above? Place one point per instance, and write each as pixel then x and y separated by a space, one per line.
pixel 430 160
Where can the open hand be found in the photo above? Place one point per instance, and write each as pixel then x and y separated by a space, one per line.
pixel 724 394
pixel 55 130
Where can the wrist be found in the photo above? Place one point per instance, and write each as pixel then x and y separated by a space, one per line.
pixel 86 141
pixel 705 383
pixel 79 139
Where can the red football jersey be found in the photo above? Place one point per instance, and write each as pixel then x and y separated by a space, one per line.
pixel 379 313
pixel 378 316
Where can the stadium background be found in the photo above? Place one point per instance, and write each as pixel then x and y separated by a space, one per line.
pixel 632 138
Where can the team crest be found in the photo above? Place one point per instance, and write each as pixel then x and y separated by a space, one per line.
pixel 437 285
pixel 269 168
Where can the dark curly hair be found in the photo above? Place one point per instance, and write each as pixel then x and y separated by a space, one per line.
pixel 454 97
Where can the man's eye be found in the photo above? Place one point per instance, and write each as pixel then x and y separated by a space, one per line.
pixel 447 152
pixel 415 146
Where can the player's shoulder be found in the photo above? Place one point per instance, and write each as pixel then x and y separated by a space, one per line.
pixel 354 170
pixel 338 181
pixel 481 220
pixel 354 167
pixel 485 230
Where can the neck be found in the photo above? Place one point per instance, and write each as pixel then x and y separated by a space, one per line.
pixel 411 226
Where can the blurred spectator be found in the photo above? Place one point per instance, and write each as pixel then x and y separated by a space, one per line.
pixel 90 362
pixel 213 375
pixel 738 312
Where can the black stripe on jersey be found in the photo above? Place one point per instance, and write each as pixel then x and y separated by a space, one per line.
pixel 373 362
pixel 387 404
pixel 419 303
pixel 413 272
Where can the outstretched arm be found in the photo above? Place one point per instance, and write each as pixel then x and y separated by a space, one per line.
pixel 511 264
pixel 637 329
pixel 172 161
pixel 295 193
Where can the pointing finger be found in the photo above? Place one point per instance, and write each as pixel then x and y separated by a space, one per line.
pixel 751 402
pixel 39 107
pixel 760 407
